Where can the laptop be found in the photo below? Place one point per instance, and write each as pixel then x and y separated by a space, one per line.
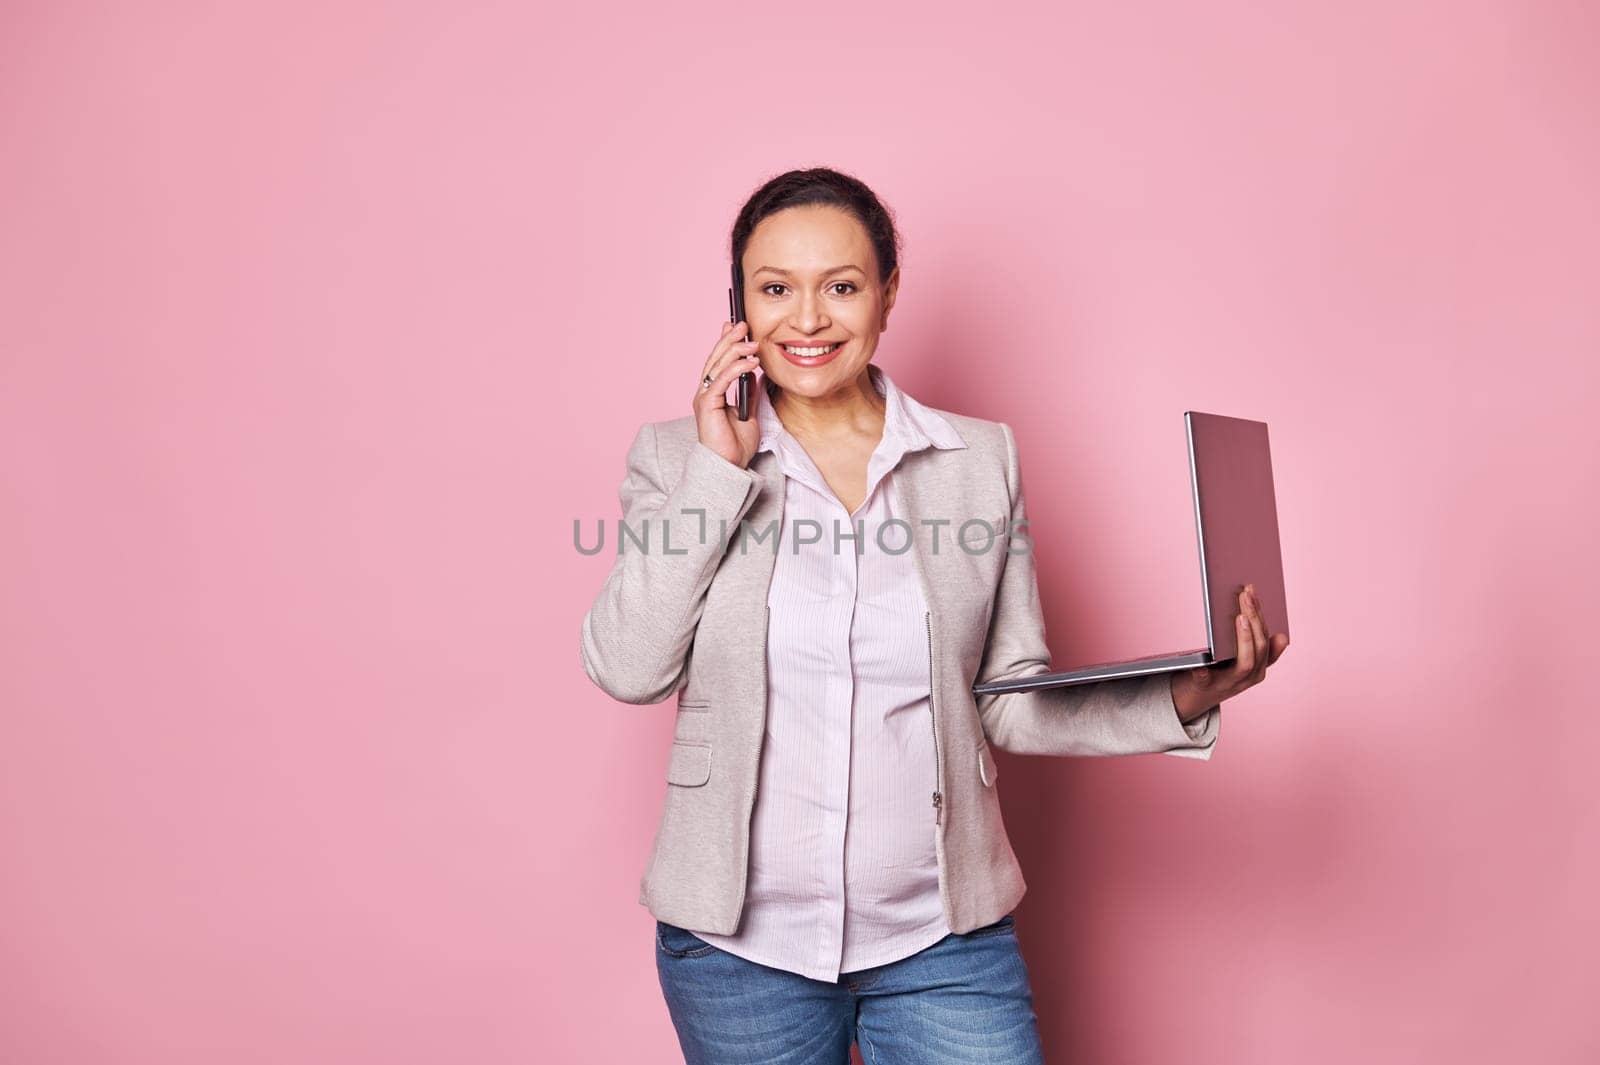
pixel 1236 525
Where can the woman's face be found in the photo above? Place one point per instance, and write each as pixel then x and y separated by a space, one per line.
pixel 811 281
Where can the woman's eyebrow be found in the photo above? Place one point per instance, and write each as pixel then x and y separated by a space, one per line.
pixel 825 273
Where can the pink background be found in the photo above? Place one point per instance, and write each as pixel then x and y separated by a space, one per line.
pixel 320 324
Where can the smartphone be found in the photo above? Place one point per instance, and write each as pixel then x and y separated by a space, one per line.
pixel 736 310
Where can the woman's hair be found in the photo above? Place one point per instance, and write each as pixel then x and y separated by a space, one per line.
pixel 820 185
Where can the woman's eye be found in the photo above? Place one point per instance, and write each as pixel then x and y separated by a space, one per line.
pixel 850 285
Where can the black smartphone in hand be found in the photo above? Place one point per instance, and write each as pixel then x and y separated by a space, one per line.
pixel 736 309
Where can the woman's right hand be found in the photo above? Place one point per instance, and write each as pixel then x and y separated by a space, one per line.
pixel 716 419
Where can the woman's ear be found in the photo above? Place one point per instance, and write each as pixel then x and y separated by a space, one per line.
pixel 889 291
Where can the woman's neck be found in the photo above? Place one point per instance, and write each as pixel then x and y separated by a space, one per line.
pixel 857 408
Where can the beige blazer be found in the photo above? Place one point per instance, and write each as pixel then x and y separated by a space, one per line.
pixel 686 613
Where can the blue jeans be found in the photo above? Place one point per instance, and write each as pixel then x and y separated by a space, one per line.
pixel 964 999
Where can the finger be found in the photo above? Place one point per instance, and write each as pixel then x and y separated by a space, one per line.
pixel 1244 662
pixel 717 347
pixel 1280 644
pixel 736 361
pixel 716 397
pixel 732 353
pixel 722 386
pixel 1258 633
pixel 732 335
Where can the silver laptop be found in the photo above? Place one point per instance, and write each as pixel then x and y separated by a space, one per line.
pixel 1236 524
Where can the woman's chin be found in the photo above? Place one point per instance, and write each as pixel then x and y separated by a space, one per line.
pixel 813 384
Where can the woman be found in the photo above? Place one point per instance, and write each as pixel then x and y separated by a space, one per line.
pixel 822 585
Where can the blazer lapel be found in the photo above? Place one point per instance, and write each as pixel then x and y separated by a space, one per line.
pixel 918 491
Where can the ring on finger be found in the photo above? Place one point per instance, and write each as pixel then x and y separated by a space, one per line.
pixel 705 382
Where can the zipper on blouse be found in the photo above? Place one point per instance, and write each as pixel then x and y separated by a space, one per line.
pixel 938 796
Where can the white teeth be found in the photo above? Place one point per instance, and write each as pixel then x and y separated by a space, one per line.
pixel 810 352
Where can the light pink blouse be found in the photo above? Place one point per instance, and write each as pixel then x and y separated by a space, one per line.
pixel 843 870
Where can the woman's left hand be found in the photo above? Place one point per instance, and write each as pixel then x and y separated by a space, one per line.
pixel 1200 689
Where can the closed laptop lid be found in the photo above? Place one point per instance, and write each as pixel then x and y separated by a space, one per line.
pixel 1236 518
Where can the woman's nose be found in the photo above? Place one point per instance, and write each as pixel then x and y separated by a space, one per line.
pixel 809 317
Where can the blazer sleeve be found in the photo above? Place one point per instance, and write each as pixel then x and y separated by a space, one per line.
pixel 636 636
pixel 1130 715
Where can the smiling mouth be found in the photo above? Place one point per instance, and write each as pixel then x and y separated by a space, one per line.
pixel 811 352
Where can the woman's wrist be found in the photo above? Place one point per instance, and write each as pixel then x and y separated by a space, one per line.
pixel 1183 702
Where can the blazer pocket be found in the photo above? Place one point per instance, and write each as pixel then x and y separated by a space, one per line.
pixel 694 704
pixel 690 765
pixel 988 769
